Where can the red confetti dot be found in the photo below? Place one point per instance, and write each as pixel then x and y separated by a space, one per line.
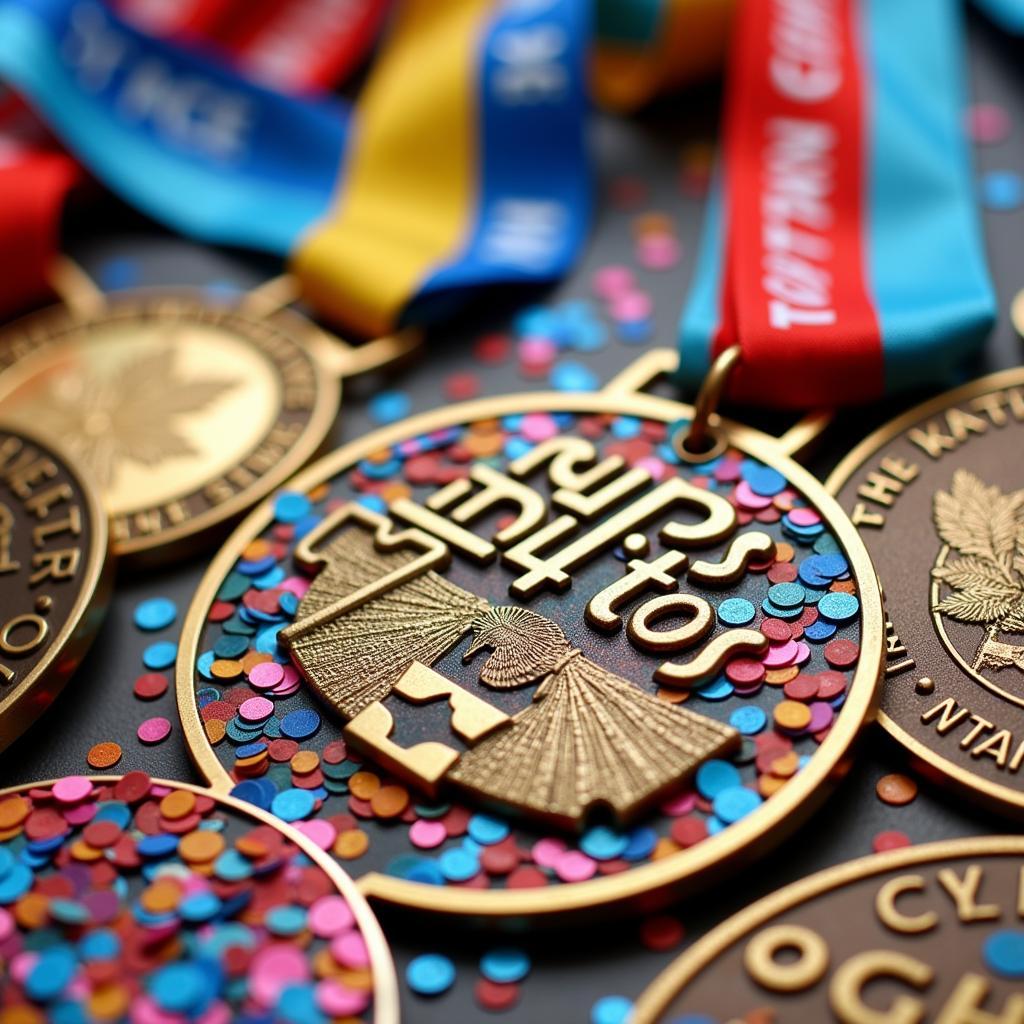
pixel 494 996
pixel 661 933
pixel 777 630
pixel 841 653
pixel 460 387
pixel 689 831
pixel 744 670
pixel 150 686
pixel 527 877
pixel 892 839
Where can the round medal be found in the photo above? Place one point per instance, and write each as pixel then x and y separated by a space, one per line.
pixel 54 577
pixel 533 658
pixel 135 898
pixel 925 933
pixel 937 502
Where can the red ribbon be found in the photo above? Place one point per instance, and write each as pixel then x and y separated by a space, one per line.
pixel 794 294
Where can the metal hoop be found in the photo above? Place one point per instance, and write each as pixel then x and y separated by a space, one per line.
pixel 692 445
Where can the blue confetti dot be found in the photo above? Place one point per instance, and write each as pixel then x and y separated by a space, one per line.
pixel 286 919
pixel 290 507
pixel 603 843
pixel 764 480
pixel 301 724
pixel 156 657
pixel 570 376
pixel 719 689
pixel 389 407
pixel 1002 190
pixel 838 607
pixel 119 272
pixel 430 974
pixel 459 864
pixel 156 613
pixel 611 1010
pixel 1004 953
pixel 52 973
pixel 293 804
pixel 505 966
pixel 101 944
pixel 749 720
pixel 736 611
pixel 714 776
pixel 486 830
pixel 163 844
pixel 179 987
pixel 735 802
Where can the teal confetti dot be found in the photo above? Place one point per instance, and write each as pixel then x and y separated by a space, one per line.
pixel 293 804
pixel 459 864
pixel 603 843
pixel 786 595
pixel 156 613
pixel 430 974
pixel 487 830
pixel 736 611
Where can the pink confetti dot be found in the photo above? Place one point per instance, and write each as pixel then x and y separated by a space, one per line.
pixel 336 1000
pixel 266 676
pixel 255 709
pixel 349 950
pixel 71 789
pixel 546 852
pixel 632 306
pixel 427 834
pixel 804 517
pixel 781 655
pixel 6 925
pixel 81 815
pixel 748 499
pixel 274 968
pixel 657 252
pixel 680 805
pixel 321 832
pixel 154 730
pixel 538 426
pixel 330 916
pixel 612 281
pixel 988 123
pixel 575 866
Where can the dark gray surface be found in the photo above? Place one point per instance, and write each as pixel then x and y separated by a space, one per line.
pixel 573 967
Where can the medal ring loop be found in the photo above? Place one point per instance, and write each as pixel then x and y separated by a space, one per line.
pixel 700 440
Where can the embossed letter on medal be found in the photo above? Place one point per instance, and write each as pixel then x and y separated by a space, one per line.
pixel 53 575
pixel 938 497
pixel 532 655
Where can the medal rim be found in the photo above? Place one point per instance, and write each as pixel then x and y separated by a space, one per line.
pixel 79 629
pixel 386 989
pixel 191 535
pixel 994 795
pixel 795 801
pixel 655 999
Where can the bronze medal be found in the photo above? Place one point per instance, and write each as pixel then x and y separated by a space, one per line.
pixel 930 933
pixel 54 577
pixel 186 410
pixel 939 504
pixel 534 658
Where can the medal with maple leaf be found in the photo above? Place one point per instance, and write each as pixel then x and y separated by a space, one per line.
pixel 938 497
pixel 184 411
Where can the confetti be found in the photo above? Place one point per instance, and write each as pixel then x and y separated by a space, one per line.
pixel 103 755
pixel 430 974
pixel 896 790
pixel 154 730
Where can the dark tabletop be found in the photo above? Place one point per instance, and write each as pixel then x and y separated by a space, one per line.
pixel 572 967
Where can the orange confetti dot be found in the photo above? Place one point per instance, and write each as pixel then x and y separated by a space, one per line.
pixel 305 761
pixel 256 549
pixel 108 1002
pixel 179 803
pixel 32 911
pixel 792 715
pixel 364 785
pixel 201 847
pixel 13 811
pixel 351 844
pixel 104 755
pixel 254 658
pixel 215 730
pixel 786 765
pixel 226 668
pixel 80 850
pixel 895 789
pixel 161 897
pixel 389 801
pixel 781 676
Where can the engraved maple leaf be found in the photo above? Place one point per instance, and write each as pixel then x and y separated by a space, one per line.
pixel 130 412
pixel 984 526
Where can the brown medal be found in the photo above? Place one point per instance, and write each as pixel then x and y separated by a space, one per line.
pixel 937 497
pixel 54 576
pixel 930 933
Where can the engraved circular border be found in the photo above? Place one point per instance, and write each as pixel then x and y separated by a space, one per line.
pixel 666 986
pixel 767 826
pixel 295 328
pixel 75 635
pixel 382 966
pixel 1000 798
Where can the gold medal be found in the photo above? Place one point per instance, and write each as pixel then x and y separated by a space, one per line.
pixel 54 575
pixel 536 653
pixel 186 412
pixel 929 933
pixel 936 498
pixel 191 905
